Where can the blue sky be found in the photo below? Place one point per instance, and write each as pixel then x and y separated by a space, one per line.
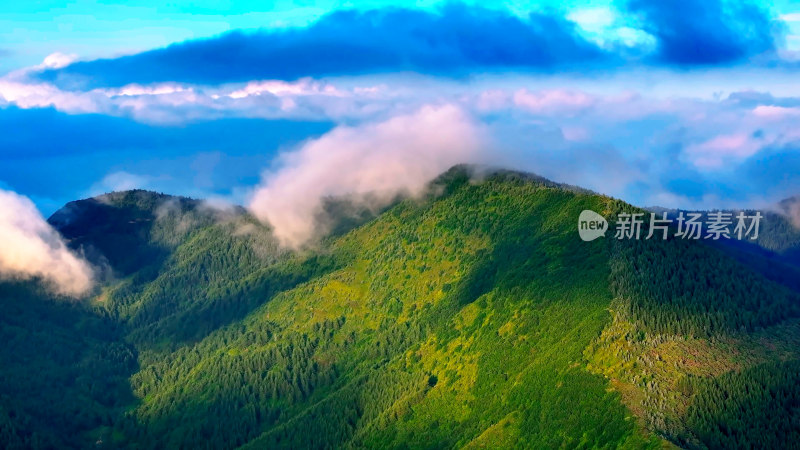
pixel 674 103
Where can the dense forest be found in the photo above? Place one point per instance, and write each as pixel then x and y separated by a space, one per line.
pixel 474 317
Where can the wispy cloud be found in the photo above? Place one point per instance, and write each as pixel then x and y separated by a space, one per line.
pixel 369 164
pixel 790 17
pixel 33 249
pixel 176 103
pixel 119 181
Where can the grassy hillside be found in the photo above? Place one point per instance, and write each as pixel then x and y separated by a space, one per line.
pixel 472 318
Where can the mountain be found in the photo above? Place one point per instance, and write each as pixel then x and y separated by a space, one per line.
pixel 473 317
pixel 775 253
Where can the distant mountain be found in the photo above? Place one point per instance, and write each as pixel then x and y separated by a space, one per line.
pixel 785 236
pixel 776 251
pixel 780 226
pixel 132 229
pixel 473 318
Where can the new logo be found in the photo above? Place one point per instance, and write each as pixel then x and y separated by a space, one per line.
pixel 591 225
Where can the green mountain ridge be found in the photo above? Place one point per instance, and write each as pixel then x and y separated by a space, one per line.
pixel 472 318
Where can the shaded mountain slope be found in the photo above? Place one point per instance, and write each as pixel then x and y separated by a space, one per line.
pixel 63 370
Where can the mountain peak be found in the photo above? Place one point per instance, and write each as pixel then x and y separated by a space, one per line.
pixel 461 173
pixel 133 204
pixel 127 229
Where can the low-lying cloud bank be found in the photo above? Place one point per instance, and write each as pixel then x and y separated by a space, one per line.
pixel 370 164
pixel 648 152
pixel 31 248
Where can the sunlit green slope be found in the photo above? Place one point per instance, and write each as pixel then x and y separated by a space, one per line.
pixel 449 322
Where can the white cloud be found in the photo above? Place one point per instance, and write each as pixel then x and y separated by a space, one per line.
pixel 790 17
pixel 553 101
pixel 40 95
pixel 304 86
pixel 369 163
pixel 119 181
pixel 33 249
pixel 132 90
pixel 592 19
pixel 175 103
pixel 775 112
pixel 714 152
pixel 791 208
pixel 58 60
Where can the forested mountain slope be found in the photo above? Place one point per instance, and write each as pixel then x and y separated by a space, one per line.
pixel 474 317
pixel 775 253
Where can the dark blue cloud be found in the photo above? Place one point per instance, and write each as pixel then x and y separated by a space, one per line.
pixel 705 32
pixel 454 41
pixel 46 132
pixel 772 172
pixel 55 157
